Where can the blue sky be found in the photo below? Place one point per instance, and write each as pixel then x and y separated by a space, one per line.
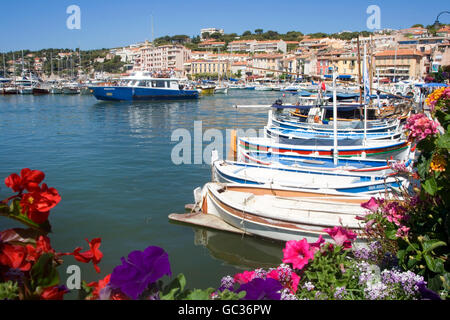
pixel 38 24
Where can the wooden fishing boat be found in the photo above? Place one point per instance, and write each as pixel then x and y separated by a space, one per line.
pixel 375 149
pixel 353 126
pixel 322 138
pixel 280 213
pixel 355 165
pixel 331 182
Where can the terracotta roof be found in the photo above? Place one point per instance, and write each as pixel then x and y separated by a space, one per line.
pixel 400 52
pixel 444 29
pixel 267 56
pixel 269 41
pixel 242 41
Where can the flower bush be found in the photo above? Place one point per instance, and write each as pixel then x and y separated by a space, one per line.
pixel 414 225
pixel 406 256
pixel 28 262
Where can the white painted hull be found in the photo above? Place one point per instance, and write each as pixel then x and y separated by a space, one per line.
pixel 280 218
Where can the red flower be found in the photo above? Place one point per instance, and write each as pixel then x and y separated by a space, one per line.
pixel 37 204
pixel 54 293
pixel 98 286
pixel 93 254
pixel 14 257
pixel 42 246
pixel 28 180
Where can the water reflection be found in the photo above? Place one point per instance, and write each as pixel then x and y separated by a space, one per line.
pixel 243 252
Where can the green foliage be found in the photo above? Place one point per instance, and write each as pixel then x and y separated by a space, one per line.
pixel 176 290
pixel 44 273
pixel 9 291
pixel 14 211
pixel 331 269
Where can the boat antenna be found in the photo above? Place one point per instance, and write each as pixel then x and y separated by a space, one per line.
pixel 153 30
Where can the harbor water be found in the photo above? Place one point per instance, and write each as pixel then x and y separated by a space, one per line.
pixel 112 165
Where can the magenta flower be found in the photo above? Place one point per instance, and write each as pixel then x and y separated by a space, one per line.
pixel 420 126
pixel 371 205
pixel 244 277
pixel 341 236
pixel 402 232
pixel 395 213
pixel 140 270
pixel 316 245
pixel 298 253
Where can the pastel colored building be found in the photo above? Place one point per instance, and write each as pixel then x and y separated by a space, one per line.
pixel 164 58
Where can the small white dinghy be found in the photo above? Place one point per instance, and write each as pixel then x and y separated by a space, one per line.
pixel 280 213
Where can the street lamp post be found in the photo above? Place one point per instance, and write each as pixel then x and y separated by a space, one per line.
pixel 437 23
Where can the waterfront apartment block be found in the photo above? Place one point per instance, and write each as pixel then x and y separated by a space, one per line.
pixel 399 64
pixel 196 67
pixel 164 58
pixel 266 61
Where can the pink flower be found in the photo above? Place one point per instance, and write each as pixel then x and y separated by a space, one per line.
pixel 371 205
pixel 298 253
pixel 395 213
pixel 402 232
pixel 420 126
pixel 292 277
pixel 316 245
pixel 244 277
pixel 294 282
pixel 341 236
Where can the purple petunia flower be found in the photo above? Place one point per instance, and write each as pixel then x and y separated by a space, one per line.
pixel 260 289
pixel 140 270
pixel 426 293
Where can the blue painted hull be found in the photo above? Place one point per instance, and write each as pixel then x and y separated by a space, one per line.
pixel 362 184
pixel 141 94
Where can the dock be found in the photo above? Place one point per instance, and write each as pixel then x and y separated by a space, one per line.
pixel 200 219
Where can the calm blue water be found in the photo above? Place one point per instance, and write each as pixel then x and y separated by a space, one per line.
pixel 111 163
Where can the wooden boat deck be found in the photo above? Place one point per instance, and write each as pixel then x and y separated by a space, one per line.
pixel 201 219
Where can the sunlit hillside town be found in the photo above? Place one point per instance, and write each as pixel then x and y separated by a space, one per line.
pixel 393 55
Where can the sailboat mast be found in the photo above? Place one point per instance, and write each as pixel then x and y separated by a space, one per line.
pixel 365 93
pixel 335 143
pixel 4 66
pixel 359 71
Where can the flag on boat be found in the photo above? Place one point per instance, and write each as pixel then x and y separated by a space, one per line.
pixel 366 78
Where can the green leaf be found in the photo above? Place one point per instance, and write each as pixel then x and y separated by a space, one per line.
pixel 16 214
pixel 430 186
pixel 174 289
pixel 434 264
pixel 391 234
pixel 430 245
pixel 412 262
pixel 9 290
pixel 44 273
pixel 198 294
pixel 443 141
